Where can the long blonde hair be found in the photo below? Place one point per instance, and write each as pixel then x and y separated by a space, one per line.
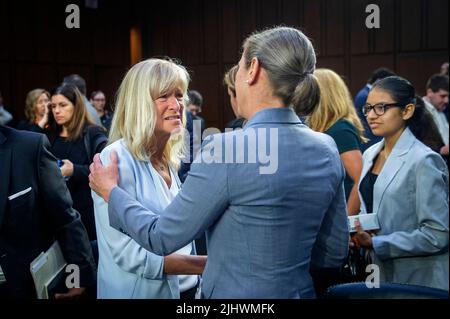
pixel 135 115
pixel 335 104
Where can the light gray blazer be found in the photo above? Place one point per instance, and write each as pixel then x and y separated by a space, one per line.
pixel 127 270
pixel 262 229
pixel 411 200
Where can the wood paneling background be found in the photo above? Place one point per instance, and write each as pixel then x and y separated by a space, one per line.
pixel 206 35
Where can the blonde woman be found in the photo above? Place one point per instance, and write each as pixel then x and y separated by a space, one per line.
pixel 36 111
pixel 147 134
pixel 230 81
pixel 336 116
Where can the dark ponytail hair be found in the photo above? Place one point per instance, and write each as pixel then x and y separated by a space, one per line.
pixel 421 123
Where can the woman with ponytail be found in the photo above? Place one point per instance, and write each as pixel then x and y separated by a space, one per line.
pixel 266 220
pixel 405 183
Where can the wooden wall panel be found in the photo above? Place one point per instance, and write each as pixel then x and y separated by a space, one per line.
pixel 247 12
pixel 5 30
pixel 193 32
pixel 175 29
pixel 437 18
pixel 312 23
pixel 410 17
pixel 269 13
pixel 211 30
pixel 419 66
pixel 334 23
pixel 23 39
pixel 29 76
pixel 336 64
pixel 230 36
pixel 384 36
pixel 359 35
pixel 290 13
pixel 205 80
pixel 206 36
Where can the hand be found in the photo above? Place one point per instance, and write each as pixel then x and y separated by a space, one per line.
pixel 43 120
pixel 67 168
pixel 444 150
pixel 73 293
pixel 103 179
pixel 362 238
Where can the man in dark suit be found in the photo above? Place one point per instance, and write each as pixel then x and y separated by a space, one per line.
pixel 35 210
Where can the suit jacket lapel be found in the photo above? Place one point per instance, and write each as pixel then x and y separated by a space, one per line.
pixel 367 167
pixel 393 164
pixel 5 168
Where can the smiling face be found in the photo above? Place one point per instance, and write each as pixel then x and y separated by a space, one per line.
pixel 42 104
pixel 169 113
pixel 392 121
pixel 62 109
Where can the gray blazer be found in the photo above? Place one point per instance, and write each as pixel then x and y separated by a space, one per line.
pixel 262 229
pixel 411 200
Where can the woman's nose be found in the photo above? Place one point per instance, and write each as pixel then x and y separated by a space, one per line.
pixel 174 103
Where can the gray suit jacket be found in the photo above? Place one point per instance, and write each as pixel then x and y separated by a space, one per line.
pixel 262 229
pixel 411 200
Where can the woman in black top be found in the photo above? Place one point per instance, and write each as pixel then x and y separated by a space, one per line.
pixel 75 140
pixel 36 111
pixel 337 117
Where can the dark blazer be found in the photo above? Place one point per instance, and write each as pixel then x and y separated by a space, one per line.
pixel 35 209
pixel 81 154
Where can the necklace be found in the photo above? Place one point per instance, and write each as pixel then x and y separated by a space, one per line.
pixel 159 165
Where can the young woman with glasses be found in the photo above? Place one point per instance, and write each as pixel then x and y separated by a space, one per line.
pixel 405 183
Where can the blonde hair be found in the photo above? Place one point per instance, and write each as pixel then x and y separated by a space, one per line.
pixel 230 79
pixel 335 104
pixel 30 103
pixel 135 112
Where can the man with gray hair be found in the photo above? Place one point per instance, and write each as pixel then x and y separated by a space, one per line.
pixel 80 83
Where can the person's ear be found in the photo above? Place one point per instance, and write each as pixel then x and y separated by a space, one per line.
pixel 429 92
pixel 253 71
pixel 408 111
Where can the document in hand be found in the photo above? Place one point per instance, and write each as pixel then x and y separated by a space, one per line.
pixel 46 269
pixel 367 221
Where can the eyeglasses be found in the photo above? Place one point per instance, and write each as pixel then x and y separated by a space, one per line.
pixel 379 108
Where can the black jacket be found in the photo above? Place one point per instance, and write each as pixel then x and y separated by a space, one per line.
pixel 81 153
pixel 30 223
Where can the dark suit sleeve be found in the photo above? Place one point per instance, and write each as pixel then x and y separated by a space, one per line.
pixel 64 220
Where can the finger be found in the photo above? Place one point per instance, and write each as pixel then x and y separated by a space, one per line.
pixel 358 227
pixel 91 169
pixel 97 161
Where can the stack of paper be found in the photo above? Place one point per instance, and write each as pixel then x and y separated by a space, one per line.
pixel 47 267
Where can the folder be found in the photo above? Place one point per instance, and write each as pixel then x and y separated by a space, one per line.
pixel 48 273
